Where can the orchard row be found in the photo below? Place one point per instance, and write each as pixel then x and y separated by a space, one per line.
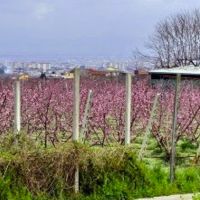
pixel 47 110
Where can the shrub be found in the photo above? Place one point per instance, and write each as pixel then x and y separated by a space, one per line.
pixel 105 173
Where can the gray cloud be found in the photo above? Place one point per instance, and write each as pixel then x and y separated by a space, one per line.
pixel 81 27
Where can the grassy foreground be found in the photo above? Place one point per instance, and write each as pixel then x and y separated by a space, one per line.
pixel 28 172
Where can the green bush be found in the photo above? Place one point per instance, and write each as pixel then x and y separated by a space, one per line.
pixel 105 173
pixel 116 179
pixel 196 197
pixel 10 191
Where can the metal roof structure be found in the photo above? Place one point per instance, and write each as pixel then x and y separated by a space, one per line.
pixel 184 70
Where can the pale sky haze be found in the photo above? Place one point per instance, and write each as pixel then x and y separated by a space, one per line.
pixel 81 27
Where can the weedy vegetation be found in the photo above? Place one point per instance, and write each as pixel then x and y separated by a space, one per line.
pixel 31 172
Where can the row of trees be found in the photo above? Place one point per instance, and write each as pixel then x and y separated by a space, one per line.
pixel 47 111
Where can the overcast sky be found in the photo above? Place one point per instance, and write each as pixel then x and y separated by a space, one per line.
pixel 81 27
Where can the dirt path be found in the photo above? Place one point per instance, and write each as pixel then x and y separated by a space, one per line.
pixel 173 197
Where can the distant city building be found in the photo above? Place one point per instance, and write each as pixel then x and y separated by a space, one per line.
pixel 100 67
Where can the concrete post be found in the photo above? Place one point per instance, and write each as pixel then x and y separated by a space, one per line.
pixel 76 112
pixel 86 114
pixel 128 108
pixel 17 107
pixel 76 105
pixel 149 125
pixel 173 145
